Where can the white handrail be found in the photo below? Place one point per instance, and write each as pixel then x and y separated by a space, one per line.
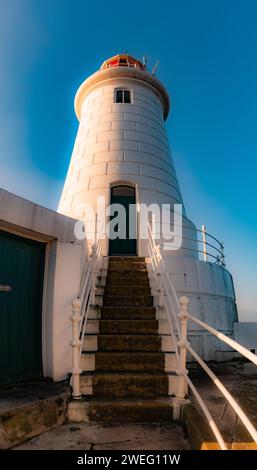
pixel 240 413
pixel 87 301
pixel 208 415
pixel 172 309
pixel 88 290
pixel 231 342
pixel 158 265
pixel 178 309
pixel 155 258
pixel 81 307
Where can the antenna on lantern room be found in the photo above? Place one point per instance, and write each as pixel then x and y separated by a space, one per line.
pixel 144 60
pixel 155 68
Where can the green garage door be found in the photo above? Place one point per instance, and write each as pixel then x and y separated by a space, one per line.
pixel 21 285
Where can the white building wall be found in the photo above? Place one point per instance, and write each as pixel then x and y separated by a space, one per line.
pixel 66 287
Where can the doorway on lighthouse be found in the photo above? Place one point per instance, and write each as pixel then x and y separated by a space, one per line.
pixel 125 196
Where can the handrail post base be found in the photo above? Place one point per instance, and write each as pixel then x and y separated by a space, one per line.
pixel 178 404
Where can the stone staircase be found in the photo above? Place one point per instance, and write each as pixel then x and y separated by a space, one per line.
pixel 128 361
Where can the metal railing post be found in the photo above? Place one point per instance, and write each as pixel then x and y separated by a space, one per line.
pixel 159 278
pixel 94 273
pixel 96 229
pixel 204 243
pixel 75 320
pixel 182 371
pixel 153 226
pixel 223 254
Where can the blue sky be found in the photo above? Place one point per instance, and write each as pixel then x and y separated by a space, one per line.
pixel 207 51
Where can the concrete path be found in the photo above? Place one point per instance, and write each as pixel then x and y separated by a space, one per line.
pixel 82 436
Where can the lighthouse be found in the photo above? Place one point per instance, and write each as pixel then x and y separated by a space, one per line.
pixel 122 156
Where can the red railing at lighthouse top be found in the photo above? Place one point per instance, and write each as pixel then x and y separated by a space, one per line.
pixel 122 60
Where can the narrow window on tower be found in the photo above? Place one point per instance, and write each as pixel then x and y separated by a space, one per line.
pixel 126 96
pixel 119 96
pixel 122 96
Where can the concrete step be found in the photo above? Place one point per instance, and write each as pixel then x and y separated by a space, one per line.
pixel 133 343
pixel 122 411
pixel 128 300
pixel 94 313
pixel 146 327
pixel 127 267
pixel 132 312
pixel 127 290
pixel 92 327
pixel 125 343
pixel 114 273
pixel 128 361
pixel 126 259
pixel 130 385
pixel 140 279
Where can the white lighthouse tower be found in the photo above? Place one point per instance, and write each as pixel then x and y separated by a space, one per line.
pixel 122 154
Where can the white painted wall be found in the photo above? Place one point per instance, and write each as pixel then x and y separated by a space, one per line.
pixel 66 287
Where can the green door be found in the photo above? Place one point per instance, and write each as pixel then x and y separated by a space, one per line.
pixel 124 195
pixel 21 285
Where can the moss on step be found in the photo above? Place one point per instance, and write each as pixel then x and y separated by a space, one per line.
pixel 21 423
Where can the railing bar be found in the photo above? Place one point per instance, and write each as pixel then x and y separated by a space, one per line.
pixel 190 249
pixel 211 236
pixel 163 274
pixel 234 345
pixel 208 415
pixel 85 281
pixel 166 281
pixel 240 413
pixel 173 308
pixel 193 229
pixel 84 305
pixel 85 322
pixel 84 274
pixel 87 292
pixel 212 246
pixel 196 240
pixel 200 251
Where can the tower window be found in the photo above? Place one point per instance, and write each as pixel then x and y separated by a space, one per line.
pixel 122 96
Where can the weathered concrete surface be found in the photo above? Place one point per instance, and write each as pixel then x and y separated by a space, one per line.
pixel 240 378
pixel 84 436
pixel 29 409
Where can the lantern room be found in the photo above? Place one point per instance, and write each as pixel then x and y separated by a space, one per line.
pixel 122 60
